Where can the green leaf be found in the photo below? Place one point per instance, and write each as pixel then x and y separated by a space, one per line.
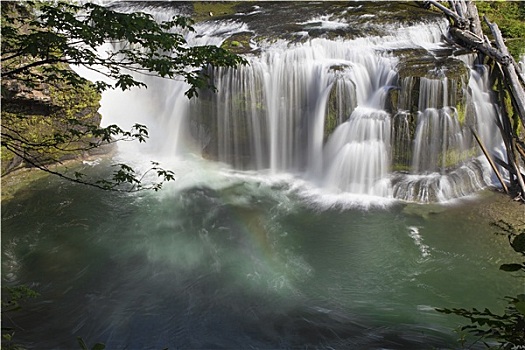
pixel 511 267
pixel 520 306
pixel 98 346
pixel 518 243
pixel 41 38
pixel 82 343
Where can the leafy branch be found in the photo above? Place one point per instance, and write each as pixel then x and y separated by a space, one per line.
pixel 67 33
pixel 40 40
pixel 508 329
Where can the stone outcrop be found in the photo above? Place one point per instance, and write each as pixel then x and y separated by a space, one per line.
pixel 52 120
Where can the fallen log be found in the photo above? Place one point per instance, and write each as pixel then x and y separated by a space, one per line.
pixel 511 74
pixel 447 11
pixel 507 133
pixel 465 31
pixel 471 41
pixel 491 161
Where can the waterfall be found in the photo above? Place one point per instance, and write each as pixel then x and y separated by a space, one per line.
pixel 446 161
pixel 272 113
pixel 357 155
pixel 336 112
pixel 437 133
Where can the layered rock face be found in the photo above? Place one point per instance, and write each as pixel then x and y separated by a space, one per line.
pixel 46 123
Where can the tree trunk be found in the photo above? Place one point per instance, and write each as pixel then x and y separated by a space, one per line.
pixel 466 31
pixel 510 73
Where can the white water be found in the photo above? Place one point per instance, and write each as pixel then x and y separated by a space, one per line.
pixel 364 141
pixel 270 116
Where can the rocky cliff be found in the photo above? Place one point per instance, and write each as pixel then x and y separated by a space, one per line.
pixel 46 123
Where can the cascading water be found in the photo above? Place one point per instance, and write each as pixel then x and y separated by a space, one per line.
pixel 337 113
pixel 273 249
pixel 446 162
pixel 357 155
pixel 273 112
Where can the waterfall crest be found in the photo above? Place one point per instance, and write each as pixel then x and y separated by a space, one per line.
pixel 385 115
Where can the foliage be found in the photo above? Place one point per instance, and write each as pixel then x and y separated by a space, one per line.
pixel 68 33
pixel 510 17
pixel 64 125
pixel 83 345
pixel 15 295
pixel 11 298
pixel 507 330
pixel 39 42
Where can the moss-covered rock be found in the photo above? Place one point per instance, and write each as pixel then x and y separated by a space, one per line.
pixel 341 102
pixel 413 69
pixel 204 10
pixel 47 123
pixel 239 43
pixel 403 132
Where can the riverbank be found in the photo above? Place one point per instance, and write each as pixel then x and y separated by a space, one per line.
pixel 486 207
pixel 21 178
pixel 497 206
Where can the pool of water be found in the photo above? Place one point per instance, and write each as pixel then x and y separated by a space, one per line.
pixel 220 259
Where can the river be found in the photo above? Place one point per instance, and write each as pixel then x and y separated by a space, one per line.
pixel 221 259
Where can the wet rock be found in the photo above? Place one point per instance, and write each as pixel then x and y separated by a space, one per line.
pixel 450 71
pixel 241 43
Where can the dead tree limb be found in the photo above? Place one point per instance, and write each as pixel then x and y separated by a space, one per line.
pixel 473 17
pixel 466 31
pixel 490 160
pixel 511 73
pixel 447 11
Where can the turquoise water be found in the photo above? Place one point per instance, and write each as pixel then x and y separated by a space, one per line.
pixel 240 261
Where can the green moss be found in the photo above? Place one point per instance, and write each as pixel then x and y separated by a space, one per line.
pixel 461 112
pixel 203 10
pixel 238 43
pixel 9 162
pixel 392 101
pixel 341 102
pixel 514 117
pixel 54 133
pixel 330 124
pixel 412 68
pixel 453 157
pixel 402 168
